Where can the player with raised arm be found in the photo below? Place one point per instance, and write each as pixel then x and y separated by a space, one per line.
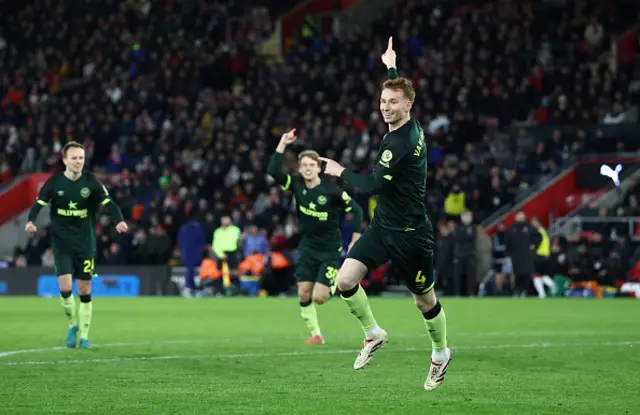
pixel 400 230
pixel 74 197
pixel 320 205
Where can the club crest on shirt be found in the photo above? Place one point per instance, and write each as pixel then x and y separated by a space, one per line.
pixel 85 192
pixel 386 157
pixel 322 200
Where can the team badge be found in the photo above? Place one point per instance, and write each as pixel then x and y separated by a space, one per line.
pixel 85 192
pixel 387 155
pixel 322 200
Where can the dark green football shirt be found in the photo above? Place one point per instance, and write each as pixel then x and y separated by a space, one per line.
pixel 319 210
pixel 398 179
pixel 73 205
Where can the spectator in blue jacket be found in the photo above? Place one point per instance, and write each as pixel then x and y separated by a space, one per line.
pixel 192 242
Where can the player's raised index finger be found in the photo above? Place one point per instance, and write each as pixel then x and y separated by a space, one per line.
pixel 390 43
pixel 326 160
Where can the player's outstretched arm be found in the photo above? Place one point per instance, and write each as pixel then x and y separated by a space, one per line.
pixel 389 60
pixel 354 208
pixel 114 210
pixel 43 200
pixel 274 169
pixel 369 183
pixel 348 205
pixel 389 158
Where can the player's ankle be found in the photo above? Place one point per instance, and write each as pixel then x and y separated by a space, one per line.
pixel 440 355
pixel 373 332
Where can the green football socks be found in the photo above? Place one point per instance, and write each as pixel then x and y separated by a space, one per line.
pixel 436 322
pixel 310 317
pixel 84 316
pixel 69 306
pixel 358 303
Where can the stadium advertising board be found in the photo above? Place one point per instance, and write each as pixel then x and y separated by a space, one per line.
pixel 109 285
pixel 111 282
pixel 604 173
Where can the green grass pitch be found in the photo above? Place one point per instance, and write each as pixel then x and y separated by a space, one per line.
pixel 247 356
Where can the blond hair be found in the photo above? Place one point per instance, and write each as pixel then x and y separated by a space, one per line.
pixel 401 84
pixel 312 154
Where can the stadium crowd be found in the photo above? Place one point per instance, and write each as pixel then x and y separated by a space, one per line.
pixel 179 112
pixel 606 250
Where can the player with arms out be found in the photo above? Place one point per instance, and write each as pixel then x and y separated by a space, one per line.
pixel 320 205
pixel 74 197
pixel 400 229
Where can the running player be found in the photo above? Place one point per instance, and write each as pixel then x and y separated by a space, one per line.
pixel 400 230
pixel 320 205
pixel 74 197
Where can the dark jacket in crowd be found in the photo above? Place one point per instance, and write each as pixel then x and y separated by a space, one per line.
pixel 464 237
pixel 521 241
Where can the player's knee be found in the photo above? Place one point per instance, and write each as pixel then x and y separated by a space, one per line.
pixel 320 298
pixel 350 275
pixel 65 283
pixel 84 287
pixel 347 281
pixel 66 287
pixel 426 302
pixel 304 295
pixel 346 284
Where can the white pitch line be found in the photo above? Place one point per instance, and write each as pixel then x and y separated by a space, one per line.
pixel 312 353
pixel 53 349
pixel 515 333
pixel 262 339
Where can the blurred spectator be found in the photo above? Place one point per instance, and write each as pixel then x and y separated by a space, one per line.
pixel 210 276
pixel 541 278
pixel 192 243
pixel 159 245
pixel 444 266
pixel 251 269
pixel 484 255
pixel 47 258
pixel 521 242
pixel 464 255
pixel 226 240
pixel 254 241
pixel 114 256
pixel 594 34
